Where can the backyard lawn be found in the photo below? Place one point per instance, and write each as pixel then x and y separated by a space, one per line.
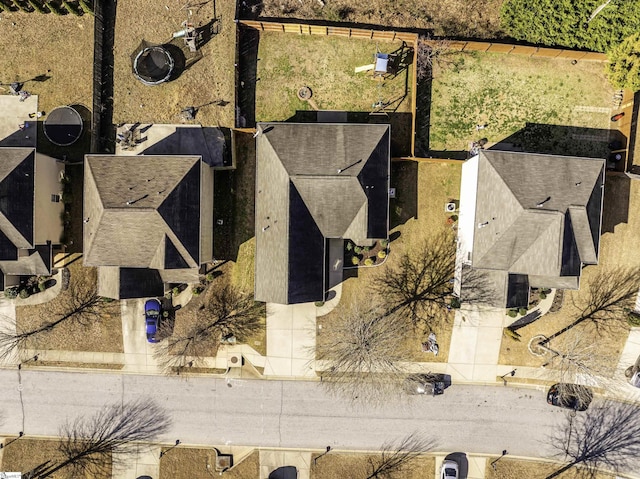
pixel 287 62
pixel 567 107
pixel 208 80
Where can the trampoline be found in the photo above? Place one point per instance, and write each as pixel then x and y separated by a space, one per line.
pixel 153 65
pixel 63 126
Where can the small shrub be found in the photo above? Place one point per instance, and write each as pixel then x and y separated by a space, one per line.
pixel 42 286
pixel 197 290
pixel 349 246
pixel 104 299
pixel 382 254
pixel 165 314
pixel 210 277
pixel 384 243
pixel 512 313
pixel 522 311
pixel 319 304
pixel 175 291
pixel 368 262
pixel 355 260
pixel 455 303
pixel 633 318
pixel 357 249
pixel 24 293
pixel 11 292
pixel 510 333
pixel 543 295
pixel 366 249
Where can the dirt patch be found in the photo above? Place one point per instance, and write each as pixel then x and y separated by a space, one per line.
pixel 463 18
pixel 210 79
pixel 104 335
pixel 25 454
pixel 188 463
pixel 339 466
pixel 74 364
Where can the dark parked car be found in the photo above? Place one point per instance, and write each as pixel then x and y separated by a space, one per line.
pixel 432 384
pixel 152 319
pixel 570 396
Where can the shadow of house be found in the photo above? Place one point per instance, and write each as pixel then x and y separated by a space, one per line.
pixel 148 222
pixel 316 185
pixel 208 142
pixel 404 178
pixel 529 220
pixel 247 74
pixel 284 472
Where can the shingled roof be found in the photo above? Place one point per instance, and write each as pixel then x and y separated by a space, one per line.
pixel 143 211
pixel 537 215
pixel 17 195
pixel 315 182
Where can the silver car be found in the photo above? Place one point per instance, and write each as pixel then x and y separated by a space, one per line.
pixel 449 470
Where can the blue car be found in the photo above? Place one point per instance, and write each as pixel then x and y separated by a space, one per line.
pixel 152 319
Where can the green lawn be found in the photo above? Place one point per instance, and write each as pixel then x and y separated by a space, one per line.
pixel 288 62
pixel 569 104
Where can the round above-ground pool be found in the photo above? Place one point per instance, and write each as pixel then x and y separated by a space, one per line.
pixel 153 65
pixel 63 126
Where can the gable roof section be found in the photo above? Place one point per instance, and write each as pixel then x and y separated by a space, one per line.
pixel 17 195
pixel 533 212
pixel 133 204
pixel 314 182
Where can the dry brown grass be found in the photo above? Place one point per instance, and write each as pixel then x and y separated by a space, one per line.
pixel 59 46
pixel 341 466
pixel 210 79
pixel 422 191
pixel 187 463
pixel 326 65
pixel 104 335
pixel 25 454
pixel 620 229
pixel 465 18
pixel 518 469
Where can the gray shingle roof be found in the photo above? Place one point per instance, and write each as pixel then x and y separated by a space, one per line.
pixel 324 165
pixel 523 201
pixel 133 205
pixel 17 193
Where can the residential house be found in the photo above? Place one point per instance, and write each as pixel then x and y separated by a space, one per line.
pixel 30 213
pixel 316 186
pixel 528 220
pixel 148 221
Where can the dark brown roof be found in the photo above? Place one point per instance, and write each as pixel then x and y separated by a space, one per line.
pixel 314 182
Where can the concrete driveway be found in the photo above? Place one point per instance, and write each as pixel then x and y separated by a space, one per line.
pixel 291 340
pixel 138 352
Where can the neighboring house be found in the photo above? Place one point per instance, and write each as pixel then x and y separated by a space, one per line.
pixel 528 220
pixel 148 220
pixel 30 213
pixel 316 185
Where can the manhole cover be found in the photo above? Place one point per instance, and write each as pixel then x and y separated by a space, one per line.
pixel 305 93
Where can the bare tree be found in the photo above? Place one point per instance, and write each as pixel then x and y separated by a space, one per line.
pixel 606 303
pixel 397 460
pixel 432 52
pixel 80 304
pixel 606 436
pixel 360 352
pixel 110 437
pixel 225 312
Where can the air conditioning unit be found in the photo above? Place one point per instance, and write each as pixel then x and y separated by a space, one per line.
pixel 450 207
pixel 234 360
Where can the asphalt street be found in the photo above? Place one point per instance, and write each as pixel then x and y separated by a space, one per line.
pixel 290 414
